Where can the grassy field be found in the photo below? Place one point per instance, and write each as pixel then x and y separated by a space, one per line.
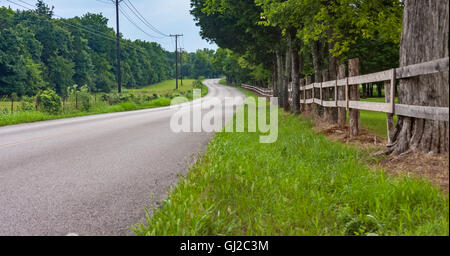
pixel 166 87
pixel 162 89
pixel 303 184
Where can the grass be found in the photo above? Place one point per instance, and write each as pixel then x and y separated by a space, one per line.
pixel 375 121
pixel 303 184
pixel 372 121
pixel 7 118
pixel 166 87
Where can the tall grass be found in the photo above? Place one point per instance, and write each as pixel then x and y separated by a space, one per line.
pixel 303 184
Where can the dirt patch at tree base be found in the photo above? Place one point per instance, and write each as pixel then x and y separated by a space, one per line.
pixel 435 168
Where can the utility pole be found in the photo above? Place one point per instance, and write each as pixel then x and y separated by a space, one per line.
pixel 176 57
pixel 119 73
pixel 181 65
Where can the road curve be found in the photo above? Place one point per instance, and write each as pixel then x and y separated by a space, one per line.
pixel 93 175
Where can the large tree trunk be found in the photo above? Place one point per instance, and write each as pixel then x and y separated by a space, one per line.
pixel 287 76
pixel 424 38
pixel 332 72
pixel 295 72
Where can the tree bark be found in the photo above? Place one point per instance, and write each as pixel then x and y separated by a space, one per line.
pixel 342 112
pixel 354 114
pixel 287 76
pixel 424 38
pixel 326 96
pixel 308 107
pixel 317 63
pixel 274 76
pixel 295 72
pixel 280 77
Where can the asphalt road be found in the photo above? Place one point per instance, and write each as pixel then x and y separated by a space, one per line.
pixel 93 175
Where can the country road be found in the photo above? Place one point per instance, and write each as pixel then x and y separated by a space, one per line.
pixel 93 175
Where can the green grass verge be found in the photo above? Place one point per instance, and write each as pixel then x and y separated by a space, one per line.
pixel 303 184
pixel 34 116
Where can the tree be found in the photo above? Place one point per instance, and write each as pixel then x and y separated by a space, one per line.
pixel 43 10
pixel 60 73
pixel 424 38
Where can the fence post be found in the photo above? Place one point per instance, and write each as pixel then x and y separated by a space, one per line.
pixel 354 114
pixel 307 95
pixel 389 95
pixel 12 104
pixel 302 84
pixel 325 95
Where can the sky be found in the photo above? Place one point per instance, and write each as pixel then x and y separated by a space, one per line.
pixel 168 16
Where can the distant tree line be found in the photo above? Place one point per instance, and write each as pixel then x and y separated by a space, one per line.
pixel 39 52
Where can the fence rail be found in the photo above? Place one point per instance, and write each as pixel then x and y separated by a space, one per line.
pixel 309 95
pixel 425 112
pixel 261 91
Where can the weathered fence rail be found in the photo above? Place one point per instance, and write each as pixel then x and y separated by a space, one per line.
pixel 261 91
pixel 425 112
pixel 309 95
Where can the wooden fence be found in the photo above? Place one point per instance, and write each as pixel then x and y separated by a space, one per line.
pixel 346 92
pixel 260 91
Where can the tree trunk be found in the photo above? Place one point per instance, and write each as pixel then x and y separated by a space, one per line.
pixel 424 38
pixel 317 63
pixel 280 77
pixel 342 112
pixel 326 96
pixel 332 71
pixel 287 76
pixel 274 77
pixel 308 107
pixel 364 90
pixel 295 73
pixel 354 114
pixel 380 90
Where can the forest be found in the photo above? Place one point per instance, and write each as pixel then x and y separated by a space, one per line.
pixel 39 51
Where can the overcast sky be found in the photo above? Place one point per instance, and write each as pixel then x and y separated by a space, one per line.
pixel 168 16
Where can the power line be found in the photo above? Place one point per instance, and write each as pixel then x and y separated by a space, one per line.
pixel 136 12
pixel 132 22
pixel 82 27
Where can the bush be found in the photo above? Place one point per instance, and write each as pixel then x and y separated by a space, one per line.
pixel 85 98
pixel 49 102
pixel 197 84
pixel 27 103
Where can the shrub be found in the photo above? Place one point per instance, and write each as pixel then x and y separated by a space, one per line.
pixel 197 84
pixel 49 102
pixel 84 98
pixel 27 103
